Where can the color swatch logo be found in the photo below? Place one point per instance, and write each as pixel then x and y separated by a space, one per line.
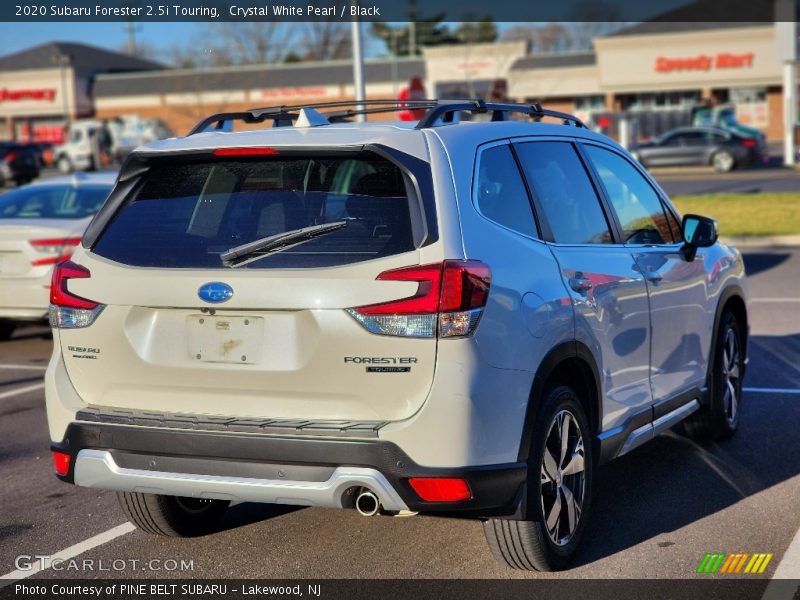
pixel 741 562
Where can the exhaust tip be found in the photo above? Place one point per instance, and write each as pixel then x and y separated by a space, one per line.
pixel 367 504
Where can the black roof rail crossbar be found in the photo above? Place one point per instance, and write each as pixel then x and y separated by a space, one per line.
pixel 445 112
pixel 400 104
pixel 342 116
pixel 286 114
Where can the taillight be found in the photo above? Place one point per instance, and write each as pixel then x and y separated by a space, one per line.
pixel 449 301
pixel 68 311
pixel 61 463
pixel 62 248
pixel 10 157
pixel 441 489
pixel 749 143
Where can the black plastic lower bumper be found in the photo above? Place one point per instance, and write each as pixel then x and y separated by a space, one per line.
pixel 497 490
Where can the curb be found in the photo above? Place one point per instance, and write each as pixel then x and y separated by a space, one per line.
pixel 763 241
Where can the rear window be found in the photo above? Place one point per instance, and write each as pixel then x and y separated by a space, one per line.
pixel 187 215
pixel 53 202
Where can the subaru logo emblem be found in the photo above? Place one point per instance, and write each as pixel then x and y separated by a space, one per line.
pixel 215 292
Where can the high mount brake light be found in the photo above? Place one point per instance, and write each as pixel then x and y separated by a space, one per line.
pixel 61 247
pixel 449 301
pixel 68 311
pixel 245 152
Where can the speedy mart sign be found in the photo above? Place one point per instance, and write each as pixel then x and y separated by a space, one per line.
pixel 704 62
pixel 734 56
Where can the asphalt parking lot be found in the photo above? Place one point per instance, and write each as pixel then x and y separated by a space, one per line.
pixel 656 511
pixel 703 180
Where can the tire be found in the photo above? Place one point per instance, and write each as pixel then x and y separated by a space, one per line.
pixel 723 161
pixel 64 164
pixel 535 545
pixel 7 329
pixel 720 419
pixel 172 516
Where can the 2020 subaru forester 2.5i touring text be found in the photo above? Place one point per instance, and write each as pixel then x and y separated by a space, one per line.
pixel 455 317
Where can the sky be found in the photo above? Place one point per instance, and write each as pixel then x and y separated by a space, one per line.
pixel 159 36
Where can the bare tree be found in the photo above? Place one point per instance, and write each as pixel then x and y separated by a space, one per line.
pixel 325 41
pixel 223 44
pixel 561 37
pixel 253 42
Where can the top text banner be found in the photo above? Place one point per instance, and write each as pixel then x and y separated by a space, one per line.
pixel 389 10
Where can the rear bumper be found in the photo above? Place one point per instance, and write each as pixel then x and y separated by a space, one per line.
pixel 25 298
pixel 306 471
pixel 99 469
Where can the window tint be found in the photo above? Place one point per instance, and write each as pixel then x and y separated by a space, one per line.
pixel 500 192
pixel 186 215
pixel 52 202
pixel 565 193
pixel 635 202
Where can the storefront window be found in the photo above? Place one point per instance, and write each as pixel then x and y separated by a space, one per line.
pixel 590 103
pixel 745 95
pixel 660 100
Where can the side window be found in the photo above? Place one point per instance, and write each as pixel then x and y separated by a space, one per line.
pixel 635 202
pixel 500 193
pixel 564 192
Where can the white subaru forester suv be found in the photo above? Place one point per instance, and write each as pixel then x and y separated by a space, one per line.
pixel 461 316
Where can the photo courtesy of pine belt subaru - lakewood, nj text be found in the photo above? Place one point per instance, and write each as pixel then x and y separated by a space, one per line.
pixel 460 316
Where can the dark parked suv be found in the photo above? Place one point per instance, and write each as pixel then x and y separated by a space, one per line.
pixel 18 163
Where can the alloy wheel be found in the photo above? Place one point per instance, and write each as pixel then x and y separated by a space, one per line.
pixel 563 477
pixel 731 376
pixel 723 162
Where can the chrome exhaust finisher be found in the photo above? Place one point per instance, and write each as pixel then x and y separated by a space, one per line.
pixel 367 504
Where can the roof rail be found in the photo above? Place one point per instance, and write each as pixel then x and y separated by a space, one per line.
pixel 283 116
pixel 438 112
pixel 445 112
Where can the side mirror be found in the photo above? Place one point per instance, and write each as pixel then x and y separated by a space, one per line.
pixel 698 232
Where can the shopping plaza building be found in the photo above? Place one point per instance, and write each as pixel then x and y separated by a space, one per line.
pixel 645 67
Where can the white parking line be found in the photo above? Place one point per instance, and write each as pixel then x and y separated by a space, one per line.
pixel 24 367
pixel 72 551
pixel 760 390
pixel 788 568
pixel 775 300
pixel 22 390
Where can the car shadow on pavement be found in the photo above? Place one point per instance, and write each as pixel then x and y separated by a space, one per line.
pixel 758 262
pixel 248 513
pixel 674 481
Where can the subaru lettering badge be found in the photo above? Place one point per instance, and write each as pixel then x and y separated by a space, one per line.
pixel 215 292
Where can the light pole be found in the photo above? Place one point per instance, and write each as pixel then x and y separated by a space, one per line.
pixel 787 38
pixel 358 63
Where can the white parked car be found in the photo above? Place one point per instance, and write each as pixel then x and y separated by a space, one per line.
pixel 40 224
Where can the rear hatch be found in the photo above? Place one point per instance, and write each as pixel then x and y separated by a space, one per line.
pixel 181 332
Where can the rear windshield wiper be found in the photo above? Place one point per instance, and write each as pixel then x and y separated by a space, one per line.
pixel 252 251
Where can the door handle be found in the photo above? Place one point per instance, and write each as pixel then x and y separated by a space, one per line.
pixel 580 284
